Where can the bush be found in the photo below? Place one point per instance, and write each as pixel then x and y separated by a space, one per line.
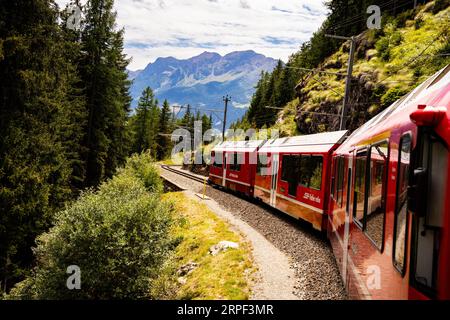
pixel 119 237
pixel 142 167
pixel 383 49
pixel 392 95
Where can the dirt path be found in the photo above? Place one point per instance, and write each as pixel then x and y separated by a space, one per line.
pixel 275 280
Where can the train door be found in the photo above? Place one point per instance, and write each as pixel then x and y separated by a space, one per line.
pixel 274 175
pixel 426 199
pixel 347 220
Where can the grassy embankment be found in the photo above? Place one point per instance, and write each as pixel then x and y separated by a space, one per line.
pixel 224 276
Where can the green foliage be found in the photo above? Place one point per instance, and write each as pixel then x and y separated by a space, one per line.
pixel 103 72
pixel 142 167
pixel 145 123
pixel 392 95
pixel 35 115
pixel 63 114
pixel 118 236
pixel 382 47
pixel 164 143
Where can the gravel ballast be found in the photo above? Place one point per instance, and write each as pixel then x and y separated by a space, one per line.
pixel 310 255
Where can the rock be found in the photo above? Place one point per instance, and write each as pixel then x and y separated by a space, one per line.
pixel 182 280
pixel 187 268
pixel 222 246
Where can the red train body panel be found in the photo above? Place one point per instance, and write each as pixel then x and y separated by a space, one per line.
pixel 234 165
pixel 389 208
pixel 382 194
pixel 295 173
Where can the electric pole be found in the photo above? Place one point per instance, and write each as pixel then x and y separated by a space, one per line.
pixel 226 99
pixel 348 79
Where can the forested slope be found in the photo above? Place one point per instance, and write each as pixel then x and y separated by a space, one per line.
pixel 389 62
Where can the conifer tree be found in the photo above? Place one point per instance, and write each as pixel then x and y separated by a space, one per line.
pixel 164 141
pixel 34 172
pixel 104 75
pixel 142 122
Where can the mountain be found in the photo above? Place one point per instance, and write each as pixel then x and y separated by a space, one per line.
pixel 203 80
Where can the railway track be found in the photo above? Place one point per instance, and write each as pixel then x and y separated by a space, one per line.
pixel 184 174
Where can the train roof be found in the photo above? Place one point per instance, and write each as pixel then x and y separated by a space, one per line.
pixel 239 146
pixel 435 91
pixel 315 143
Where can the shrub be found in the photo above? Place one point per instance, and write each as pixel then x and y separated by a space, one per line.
pixel 392 95
pixel 119 239
pixel 383 49
pixel 142 167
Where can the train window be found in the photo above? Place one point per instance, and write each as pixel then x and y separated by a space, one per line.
pixel 290 168
pixel 236 161
pixel 376 197
pixel 339 180
pixel 401 210
pixel 263 166
pixel 311 171
pixel 290 172
pixel 218 159
pixel 360 187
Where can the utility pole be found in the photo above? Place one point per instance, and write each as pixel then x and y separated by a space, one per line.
pixel 348 79
pixel 226 99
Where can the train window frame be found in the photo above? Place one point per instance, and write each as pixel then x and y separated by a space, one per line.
pixel 386 182
pixel 357 222
pixel 402 271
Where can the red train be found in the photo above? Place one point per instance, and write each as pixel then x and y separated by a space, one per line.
pixel 382 194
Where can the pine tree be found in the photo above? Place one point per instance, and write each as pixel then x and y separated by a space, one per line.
pixel 206 123
pixel 143 122
pixel 74 118
pixel 104 75
pixel 164 141
pixel 186 121
pixel 34 86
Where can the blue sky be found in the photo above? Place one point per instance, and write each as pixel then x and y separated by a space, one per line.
pixel 185 28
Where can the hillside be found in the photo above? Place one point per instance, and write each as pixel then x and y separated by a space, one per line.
pixel 388 63
pixel 202 80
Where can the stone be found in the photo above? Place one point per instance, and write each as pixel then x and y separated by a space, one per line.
pixel 222 246
pixel 187 268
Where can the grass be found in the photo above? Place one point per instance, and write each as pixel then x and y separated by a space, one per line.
pixel 225 276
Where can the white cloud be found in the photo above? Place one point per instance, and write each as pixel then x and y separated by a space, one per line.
pixel 241 105
pixel 184 28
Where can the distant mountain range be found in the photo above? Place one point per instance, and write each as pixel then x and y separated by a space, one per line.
pixel 203 80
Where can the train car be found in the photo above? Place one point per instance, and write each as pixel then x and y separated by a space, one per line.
pixel 292 175
pixel 233 165
pixel 389 219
